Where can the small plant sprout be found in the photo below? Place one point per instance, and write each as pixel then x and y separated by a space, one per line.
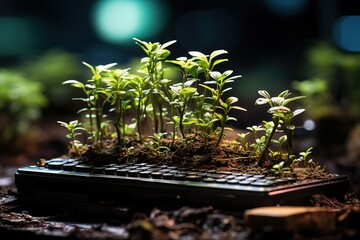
pixel 303 157
pixel 256 145
pixel 225 116
pixel 242 139
pixel 73 128
pixel 282 139
pixel 280 113
pixel 95 99
pixel 156 54
pixel 205 65
pixel 156 143
pixel 183 92
pixel 119 93
pixel 280 170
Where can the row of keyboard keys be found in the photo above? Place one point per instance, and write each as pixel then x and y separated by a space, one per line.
pixel 166 172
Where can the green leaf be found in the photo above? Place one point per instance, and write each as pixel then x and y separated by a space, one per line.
pixel 198 55
pixel 286 101
pixel 215 74
pixel 91 67
pixel 165 45
pixel 231 119
pixel 298 111
pixel 188 91
pixel 264 93
pixel 238 108
pixel 218 61
pixel 284 94
pixel 217 53
pixel 231 100
pixel 75 83
pixel 279 109
pixel 261 101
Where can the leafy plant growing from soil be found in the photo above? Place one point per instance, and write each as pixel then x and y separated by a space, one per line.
pixel 188 116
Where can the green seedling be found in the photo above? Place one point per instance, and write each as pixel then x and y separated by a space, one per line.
pixel 242 139
pixel 304 157
pixel 156 54
pixel 119 93
pixel 280 113
pixel 74 128
pixel 280 170
pixel 96 97
pixel 156 141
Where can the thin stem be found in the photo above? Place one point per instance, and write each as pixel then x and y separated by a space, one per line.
pixel 268 141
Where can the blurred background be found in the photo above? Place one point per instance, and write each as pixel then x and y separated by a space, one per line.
pixel 309 47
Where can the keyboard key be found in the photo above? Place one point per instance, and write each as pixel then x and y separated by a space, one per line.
pixel 241 178
pixel 98 170
pixel 258 176
pixel 221 180
pixel 244 182
pixel 156 175
pixel 69 166
pixel 168 176
pixel 209 180
pixel 133 173
pixel 83 168
pixel 230 177
pixel 179 177
pixel 195 178
pixel 122 172
pixel 251 179
pixel 261 184
pixel 232 181
pixel 110 171
pixel 145 174
pixel 56 165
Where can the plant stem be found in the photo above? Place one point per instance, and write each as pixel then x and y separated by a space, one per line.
pixel 268 141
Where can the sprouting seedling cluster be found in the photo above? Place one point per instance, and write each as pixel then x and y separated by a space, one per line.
pixel 174 108
pixel 196 106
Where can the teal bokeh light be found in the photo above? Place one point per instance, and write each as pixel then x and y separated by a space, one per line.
pixel 20 36
pixel 118 21
pixel 346 33
pixel 286 7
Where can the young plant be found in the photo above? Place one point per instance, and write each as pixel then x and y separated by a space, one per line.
pixel 219 80
pixel 119 92
pixel 141 94
pixel 280 142
pixel 95 98
pixel 188 69
pixel 156 54
pixel 183 92
pixel 242 139
pixel 205 65
pixel 156 141
pixel 280 170
pixel 73 128
pixel 303 157
pixel 280 113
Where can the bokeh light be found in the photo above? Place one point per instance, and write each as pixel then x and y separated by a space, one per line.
pixel 309 125
pixel 20 36
pixel 118 22
pixel 346 33
pixel 286 7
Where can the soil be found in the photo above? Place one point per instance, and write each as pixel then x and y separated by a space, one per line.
pixel 194 154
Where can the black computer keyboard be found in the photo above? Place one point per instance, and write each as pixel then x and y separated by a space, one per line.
pixel 65 182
